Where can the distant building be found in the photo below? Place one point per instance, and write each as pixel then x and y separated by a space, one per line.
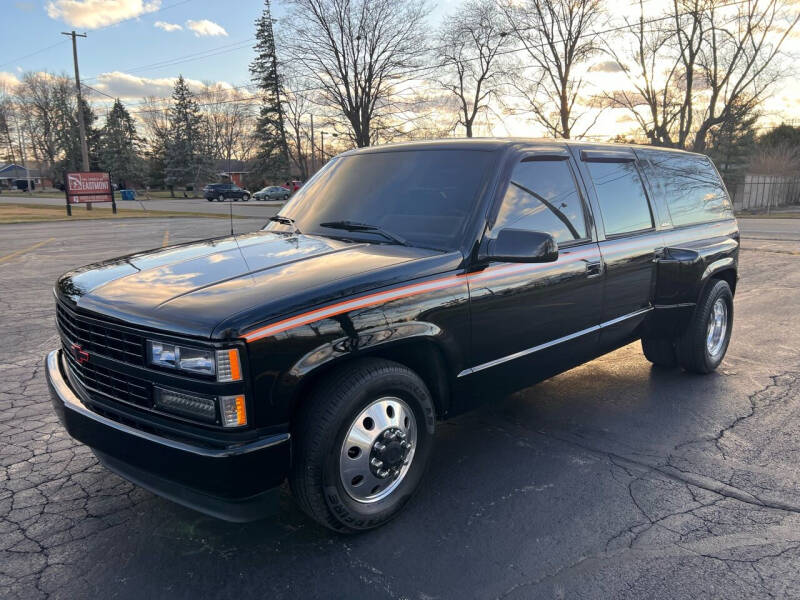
pixel 231 170
pixel 11 174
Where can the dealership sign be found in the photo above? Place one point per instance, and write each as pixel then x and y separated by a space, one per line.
pixel 88 187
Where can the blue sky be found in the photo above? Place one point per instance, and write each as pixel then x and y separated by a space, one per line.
pixel 126 38
pixel 135 48
pixel 134 45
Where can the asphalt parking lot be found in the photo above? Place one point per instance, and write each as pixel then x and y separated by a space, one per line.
pixel 614 479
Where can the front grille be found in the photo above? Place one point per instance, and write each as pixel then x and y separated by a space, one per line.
pixel 115 385
pixel 99 337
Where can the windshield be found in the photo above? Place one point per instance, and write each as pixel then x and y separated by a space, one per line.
pixel 422 196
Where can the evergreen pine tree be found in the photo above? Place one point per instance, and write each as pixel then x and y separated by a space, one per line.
pixel 731 147
pixel 119 145
pixel 272 155
pixel 186 157
pixel 69 138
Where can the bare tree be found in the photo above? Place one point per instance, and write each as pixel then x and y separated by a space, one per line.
pixel 297 114
pixel 701 65
pixel 653 68
pixel 355 51
pixel 558 36
pixel 8 124
pixel 468 45
pixel 737 61
pixel 229 118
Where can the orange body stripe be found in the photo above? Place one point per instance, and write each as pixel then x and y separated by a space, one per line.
pixel 397 293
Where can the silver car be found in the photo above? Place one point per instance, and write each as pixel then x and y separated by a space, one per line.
pixel 272 192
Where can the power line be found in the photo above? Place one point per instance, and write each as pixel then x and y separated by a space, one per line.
pixel 426 68
pixel 34 53
pixel 186 57
pixel 99 29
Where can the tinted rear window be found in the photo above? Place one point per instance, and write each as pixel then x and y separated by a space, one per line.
pixel 424 196
pixel 689 185
pixel 621 196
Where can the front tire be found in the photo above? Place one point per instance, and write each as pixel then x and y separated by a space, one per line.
pixel 362 442
pixel 246 197
pixel 701 348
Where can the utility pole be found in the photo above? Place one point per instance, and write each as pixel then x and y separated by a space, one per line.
pixel 21 141
pixel 322 147
pixel 313 150
pixel 81 124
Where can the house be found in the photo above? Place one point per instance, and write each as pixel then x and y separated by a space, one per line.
pixel 231 170
pixel 12 175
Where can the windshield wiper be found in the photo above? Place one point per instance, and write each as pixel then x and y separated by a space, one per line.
pixel 356 226
pixel 285 221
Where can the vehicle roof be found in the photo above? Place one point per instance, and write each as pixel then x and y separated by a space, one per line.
pixel 488 144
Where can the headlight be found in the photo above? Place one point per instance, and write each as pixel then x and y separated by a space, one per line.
pixel 224 364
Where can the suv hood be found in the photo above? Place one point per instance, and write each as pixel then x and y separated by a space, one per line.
pixel 219 287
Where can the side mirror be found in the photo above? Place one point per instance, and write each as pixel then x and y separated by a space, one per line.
pixel 520 245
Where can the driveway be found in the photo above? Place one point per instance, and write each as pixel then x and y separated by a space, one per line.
pixel 615 479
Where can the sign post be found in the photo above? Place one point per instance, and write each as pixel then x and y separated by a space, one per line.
pixel 88 187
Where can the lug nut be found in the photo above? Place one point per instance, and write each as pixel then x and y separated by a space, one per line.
pixel 383 473
pixel 401 435
pixel 379 447
pixel 376 462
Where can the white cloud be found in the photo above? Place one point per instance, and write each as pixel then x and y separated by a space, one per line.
pixel 167 26
pixel 8 80
pixel 91 14
pixel 204 27
pixel 125 85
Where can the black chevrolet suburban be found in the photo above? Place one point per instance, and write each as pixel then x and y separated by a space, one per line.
pixel 400 286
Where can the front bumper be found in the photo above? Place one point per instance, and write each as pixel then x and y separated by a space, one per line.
pixel 235 483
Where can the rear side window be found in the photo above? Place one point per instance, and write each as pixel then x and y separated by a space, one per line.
pixel 542 196
pixel 689 185
pixel 621 196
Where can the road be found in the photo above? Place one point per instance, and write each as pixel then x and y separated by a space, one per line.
pixel 614 479
pixel 251 208
pixel 770 229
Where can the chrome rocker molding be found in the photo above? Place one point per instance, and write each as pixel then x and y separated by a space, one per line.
pixel 566 338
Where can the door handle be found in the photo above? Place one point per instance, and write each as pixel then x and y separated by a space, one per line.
pixel 593 269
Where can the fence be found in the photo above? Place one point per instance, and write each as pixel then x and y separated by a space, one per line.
pixel 759 192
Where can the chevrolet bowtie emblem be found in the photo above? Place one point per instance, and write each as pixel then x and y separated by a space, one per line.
pixel 79 353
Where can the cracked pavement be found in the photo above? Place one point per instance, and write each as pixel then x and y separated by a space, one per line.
pixel 614 479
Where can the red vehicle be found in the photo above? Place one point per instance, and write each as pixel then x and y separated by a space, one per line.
pixel 293 186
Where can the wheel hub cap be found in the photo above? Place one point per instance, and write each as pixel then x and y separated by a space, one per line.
pixel 378 449
pixel 717 327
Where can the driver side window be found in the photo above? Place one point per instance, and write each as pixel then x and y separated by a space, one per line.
pixel 542 196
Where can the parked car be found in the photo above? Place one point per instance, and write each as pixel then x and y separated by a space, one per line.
pixel 325 348
pixel 272 192
pixel 225 191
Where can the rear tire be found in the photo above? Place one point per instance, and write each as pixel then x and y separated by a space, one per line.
pixel 221 198
pixel 245 197
pixel 324 484
pixel 701 348
pixel 660 352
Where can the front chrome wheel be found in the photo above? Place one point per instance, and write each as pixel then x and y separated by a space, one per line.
pixel 717 327
pixel 378 449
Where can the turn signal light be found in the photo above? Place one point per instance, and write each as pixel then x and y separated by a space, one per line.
pixel 228 366
pixel 233 411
